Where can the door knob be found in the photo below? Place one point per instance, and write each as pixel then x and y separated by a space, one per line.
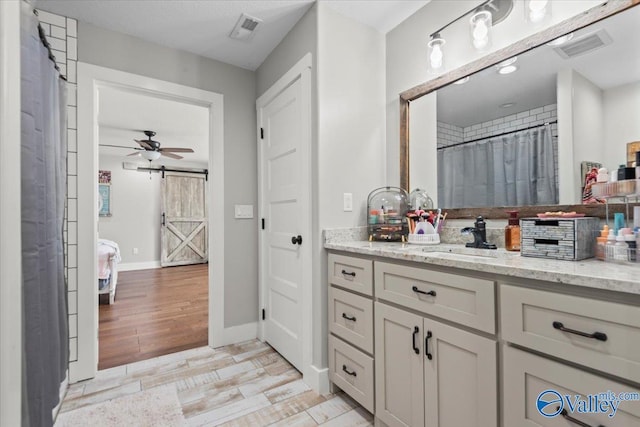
pixel 296 240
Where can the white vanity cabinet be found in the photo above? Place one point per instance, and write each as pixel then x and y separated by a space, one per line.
pixel 350 313
pixel 432 374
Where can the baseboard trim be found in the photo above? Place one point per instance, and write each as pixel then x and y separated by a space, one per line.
pixel 239 333
pixel 317 379
pixel 130 266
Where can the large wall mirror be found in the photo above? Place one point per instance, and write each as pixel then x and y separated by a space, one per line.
pixel 523 138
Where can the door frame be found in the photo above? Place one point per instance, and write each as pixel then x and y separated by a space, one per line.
pixel 300 71
pixel 91 78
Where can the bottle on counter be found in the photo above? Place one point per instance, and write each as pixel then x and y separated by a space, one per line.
pixel 601 242
pixel 611 242
pixel 512 232
pixel 620 248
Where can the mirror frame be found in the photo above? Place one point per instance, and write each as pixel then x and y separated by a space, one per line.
pixel 575 23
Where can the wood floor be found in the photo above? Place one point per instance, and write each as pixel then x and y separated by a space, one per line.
pixel 156 312
pixel 246 384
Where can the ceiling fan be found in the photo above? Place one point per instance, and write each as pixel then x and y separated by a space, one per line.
pixel 151 150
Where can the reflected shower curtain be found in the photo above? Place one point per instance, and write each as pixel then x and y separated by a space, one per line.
pixel 43 189
pixel 510 170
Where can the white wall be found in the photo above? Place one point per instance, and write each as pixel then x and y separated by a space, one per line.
pixel 406 62
pixel 351 128
pixel 118 51
pixel 621 122
pixel 10 220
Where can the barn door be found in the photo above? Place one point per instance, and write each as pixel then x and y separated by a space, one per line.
pixel 184 219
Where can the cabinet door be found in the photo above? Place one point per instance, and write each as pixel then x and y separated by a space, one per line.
pixel 399 363
pixel 460 377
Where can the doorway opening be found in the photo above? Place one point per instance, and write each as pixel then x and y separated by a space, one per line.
pixel 94 84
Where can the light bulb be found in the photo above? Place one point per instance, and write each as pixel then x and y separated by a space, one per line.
pixel 481 29
pixel 436 57
pixel 537 10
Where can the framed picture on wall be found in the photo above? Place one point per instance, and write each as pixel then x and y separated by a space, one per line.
pixel 104 199
pixel 632 147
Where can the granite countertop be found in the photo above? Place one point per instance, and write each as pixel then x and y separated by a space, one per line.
pixel 590 273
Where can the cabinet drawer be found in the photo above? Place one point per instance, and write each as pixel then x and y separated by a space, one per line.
pixel 526 376
pixel 351 318
pixel 466 300
pixel 352 371
pixel 352 273
pixel 532 318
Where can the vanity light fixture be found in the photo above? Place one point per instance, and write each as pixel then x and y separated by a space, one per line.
pixel 481 24
pixel 537 10
pixel 436 55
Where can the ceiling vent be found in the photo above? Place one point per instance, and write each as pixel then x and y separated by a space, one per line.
pixel 585 44
pixel 245 28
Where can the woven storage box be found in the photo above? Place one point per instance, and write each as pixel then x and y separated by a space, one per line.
pixel 559 238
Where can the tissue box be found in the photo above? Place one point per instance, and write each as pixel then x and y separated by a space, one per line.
pixel 559 238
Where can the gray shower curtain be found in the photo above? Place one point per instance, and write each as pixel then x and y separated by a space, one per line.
pixel 510 170
pixel 43 190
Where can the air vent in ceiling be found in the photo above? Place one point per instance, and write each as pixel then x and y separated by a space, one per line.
pixel 582 45
pixel 245 28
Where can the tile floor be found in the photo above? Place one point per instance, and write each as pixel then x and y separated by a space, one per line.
pixel 246 384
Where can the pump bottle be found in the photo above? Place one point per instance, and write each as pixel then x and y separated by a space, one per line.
pixel 512 232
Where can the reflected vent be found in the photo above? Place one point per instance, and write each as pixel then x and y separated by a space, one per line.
pixel 245 28
pixel 583 45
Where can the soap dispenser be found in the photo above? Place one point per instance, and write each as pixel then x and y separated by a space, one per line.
pixel 512 232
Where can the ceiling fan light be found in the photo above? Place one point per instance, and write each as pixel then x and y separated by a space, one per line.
pixel 151 155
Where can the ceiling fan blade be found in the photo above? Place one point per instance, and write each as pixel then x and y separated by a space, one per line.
pixel 133 154
pixel 144 144
pixel 173 156
pixel 177 150
pixel 119 146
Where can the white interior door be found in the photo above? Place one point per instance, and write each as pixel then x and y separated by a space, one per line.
pixel 284 191
pixel 184 219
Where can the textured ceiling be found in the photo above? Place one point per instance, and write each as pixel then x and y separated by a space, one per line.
pixel 202 26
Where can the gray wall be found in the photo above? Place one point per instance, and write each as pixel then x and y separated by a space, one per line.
pixel 122 52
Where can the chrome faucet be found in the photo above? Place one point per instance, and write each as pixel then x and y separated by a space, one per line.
pixel 479 232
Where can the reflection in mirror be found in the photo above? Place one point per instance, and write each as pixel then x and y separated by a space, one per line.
pixel 520 137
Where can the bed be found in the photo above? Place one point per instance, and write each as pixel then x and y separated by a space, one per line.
pixel 108 259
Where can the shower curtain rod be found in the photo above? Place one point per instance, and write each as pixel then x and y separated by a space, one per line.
pixel 43 39
pixel 498 135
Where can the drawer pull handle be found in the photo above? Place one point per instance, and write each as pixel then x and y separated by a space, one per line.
pixel 348 372
pixel 413 339
pixel 600 336
pixel 346 316
pixel 346 273
pixel 426 345
pixel 573 420
pixel 418 291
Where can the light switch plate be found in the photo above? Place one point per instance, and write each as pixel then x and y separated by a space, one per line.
pixel 244 211
pixel 348 202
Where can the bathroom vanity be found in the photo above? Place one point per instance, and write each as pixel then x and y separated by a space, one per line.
pixel 449 336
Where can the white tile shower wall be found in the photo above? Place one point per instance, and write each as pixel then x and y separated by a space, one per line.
pixel 450 134
pixel 62 36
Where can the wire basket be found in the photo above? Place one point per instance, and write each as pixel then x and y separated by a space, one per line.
pixel 424 239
